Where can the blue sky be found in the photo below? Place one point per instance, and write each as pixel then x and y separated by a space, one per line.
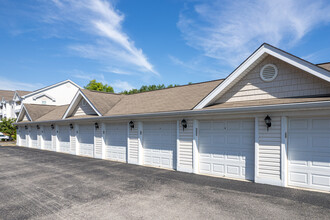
pixel 128 43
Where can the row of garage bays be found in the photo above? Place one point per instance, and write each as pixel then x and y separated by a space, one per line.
pixel 292 152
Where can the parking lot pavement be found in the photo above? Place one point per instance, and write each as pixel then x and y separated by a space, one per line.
pixel 40 184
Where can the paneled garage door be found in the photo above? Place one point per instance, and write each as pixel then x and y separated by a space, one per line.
pixel 64 138
pixel 47 137
pixel 159 144
pixel 116 142
pixel 226 148
pixel 33 137
pixel 309 153
pixel 23 136
pixel 86 140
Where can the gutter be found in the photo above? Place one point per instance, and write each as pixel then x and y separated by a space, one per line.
pixel 201 112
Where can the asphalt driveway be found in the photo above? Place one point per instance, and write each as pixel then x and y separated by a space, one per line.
pixel 47 185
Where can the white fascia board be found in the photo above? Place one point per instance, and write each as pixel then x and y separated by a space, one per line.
pixel 51 86
pixel 74 104
pixel 21 112
pixel 299 63
pixel 254 57
pixel 202 112
pixel 288 58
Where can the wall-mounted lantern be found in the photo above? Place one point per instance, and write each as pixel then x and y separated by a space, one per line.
pixel 25 127
pixel 131 124
pixel 184 123
pixel 38 127
pixel 52 126
pixel 268 122
pixel 71 126
pixel 96 125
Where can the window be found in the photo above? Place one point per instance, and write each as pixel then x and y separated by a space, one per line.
pixel 43 102
pixel 268 72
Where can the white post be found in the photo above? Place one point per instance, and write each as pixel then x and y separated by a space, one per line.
pixel 256 148
pixel 103 127
pixel 177 144
pixel 140 140
pixel 57 142
pixel 76 133
pixel 284 147
pixel 42 142
pixel 195 146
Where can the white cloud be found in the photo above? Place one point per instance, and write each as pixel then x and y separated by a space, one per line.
pixel 120 86
pixel 7 84
pixel 230 30
pixel 100 19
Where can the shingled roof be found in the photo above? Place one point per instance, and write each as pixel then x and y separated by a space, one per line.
pixel 45 112
pixel 6 95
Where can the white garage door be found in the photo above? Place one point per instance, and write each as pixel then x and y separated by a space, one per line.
pixel 47 137
pixel 116 142
pixel 64 138
pixel 159 144
pixel 33 137
pixel 226 148
pixel 309 153
pixel 86 140
pixel 23 136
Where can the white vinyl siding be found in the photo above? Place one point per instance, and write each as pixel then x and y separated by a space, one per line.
pixel 64 138
pixel 309 153
pixel 185 148
pixel 73 141
pixel 116 142
pixel 86 140
pixel 98 142
pixel 290 82
pixel 84 109
pixel 133 145
pixel 269 152
pixel 47 136
pixel 54 139
pixel 226 148
pixel 159 144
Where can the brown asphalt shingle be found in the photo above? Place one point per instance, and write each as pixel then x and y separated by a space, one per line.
pixel 325 66
pixel 45 112
pixel 7 95
pixel 56 114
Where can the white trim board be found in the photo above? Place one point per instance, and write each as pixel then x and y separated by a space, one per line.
pixel 252 61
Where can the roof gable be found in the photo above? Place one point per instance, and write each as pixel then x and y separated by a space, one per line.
pixel 77 104
pixel 23 115
pixel 290 82
pixel 252 61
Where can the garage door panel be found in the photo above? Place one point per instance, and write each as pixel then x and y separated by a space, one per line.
pixel 47 138
pixel 34 137
pixel 64 138
pixel 159 143
pixel 309 153
pixel 227 149
pixel 116 141
pixel 86 140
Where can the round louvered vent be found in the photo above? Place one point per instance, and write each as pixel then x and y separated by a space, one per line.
pixel 268 72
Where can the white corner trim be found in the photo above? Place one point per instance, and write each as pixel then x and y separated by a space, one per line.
pixel 256 147
pixel 195 147
pixel 43 94
pixel 288 58
pixel 20 113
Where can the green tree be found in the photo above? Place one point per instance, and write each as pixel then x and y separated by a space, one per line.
pixel 98 86
pixel 7 127
pixel 146 88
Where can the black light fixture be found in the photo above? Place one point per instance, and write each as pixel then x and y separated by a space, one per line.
pixel 268 122
pixel 25 127
pixel 131 124
pixel 52 126
pixel 184 123
pixel 71 126
pixel 96 125
pixel 38 127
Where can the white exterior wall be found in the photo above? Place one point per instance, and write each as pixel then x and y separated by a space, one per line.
pixel 63 95
pixel 73 140
pixel 98 142
pixel 133 144
pixel 185 147
pixel 290 82
pixel 268 151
